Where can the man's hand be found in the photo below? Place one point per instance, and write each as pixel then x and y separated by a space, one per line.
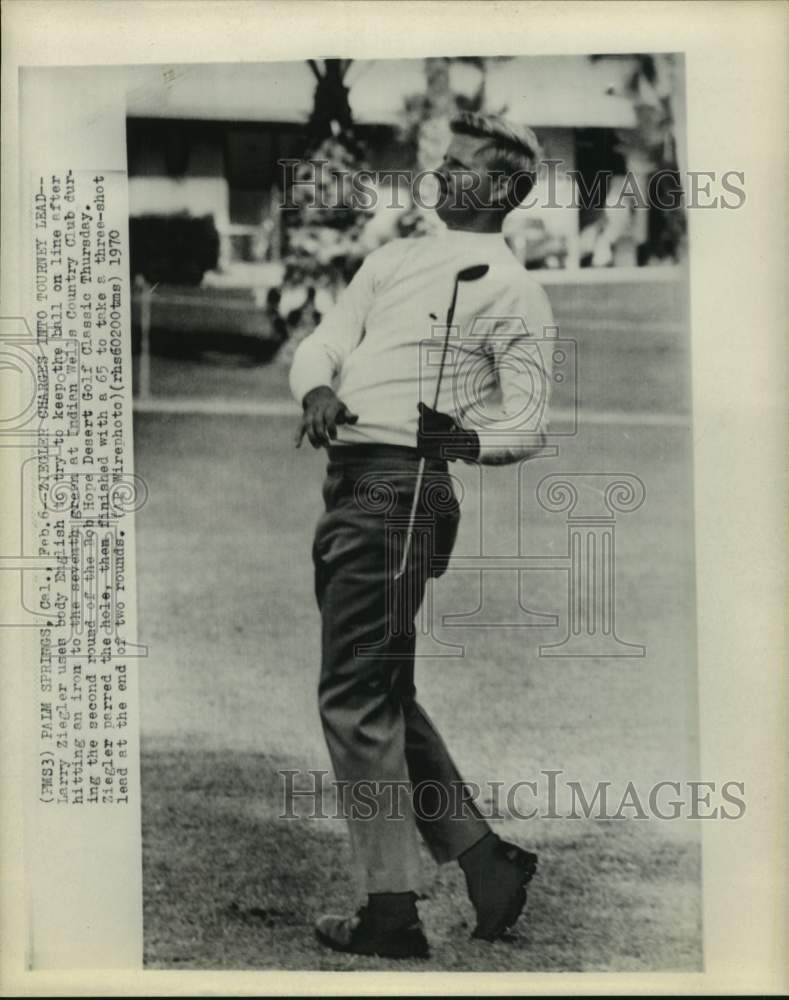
pixel 438 436
pixel 322 412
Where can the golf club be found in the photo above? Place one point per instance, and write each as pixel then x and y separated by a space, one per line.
pixel 473 273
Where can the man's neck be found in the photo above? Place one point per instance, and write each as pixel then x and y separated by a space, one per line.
pixel 485 222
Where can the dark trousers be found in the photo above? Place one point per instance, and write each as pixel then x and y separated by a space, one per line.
pixel 399 777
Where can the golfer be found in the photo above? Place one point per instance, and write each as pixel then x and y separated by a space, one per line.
pixel 392 415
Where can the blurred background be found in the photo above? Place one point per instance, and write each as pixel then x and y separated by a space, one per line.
pixel 226 283
pixel 220 266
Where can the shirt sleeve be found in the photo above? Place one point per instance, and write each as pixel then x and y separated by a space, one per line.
pixel 319 357
pixel 522 363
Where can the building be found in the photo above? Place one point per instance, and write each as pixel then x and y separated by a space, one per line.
pixel 204 140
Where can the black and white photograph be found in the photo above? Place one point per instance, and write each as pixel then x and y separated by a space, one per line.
pixel 391 451
pixel 460 286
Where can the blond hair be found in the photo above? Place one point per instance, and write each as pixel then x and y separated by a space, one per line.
pixel 513 149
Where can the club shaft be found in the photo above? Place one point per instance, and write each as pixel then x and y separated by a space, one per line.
pixel 450 317
pixel 411 518
pixel 421 471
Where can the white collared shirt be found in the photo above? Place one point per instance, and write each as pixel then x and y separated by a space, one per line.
pixel 381 344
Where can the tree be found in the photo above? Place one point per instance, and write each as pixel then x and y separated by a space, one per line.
pixel 331 112
pixel 652 150
pixel 322 228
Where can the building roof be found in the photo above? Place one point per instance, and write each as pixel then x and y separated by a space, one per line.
pixel 540 90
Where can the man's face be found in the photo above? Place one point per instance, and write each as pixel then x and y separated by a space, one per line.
pixel 467 188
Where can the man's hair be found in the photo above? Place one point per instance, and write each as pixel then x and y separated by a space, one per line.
pixel 513 149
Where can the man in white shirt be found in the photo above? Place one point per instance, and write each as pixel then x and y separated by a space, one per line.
pixel 366 382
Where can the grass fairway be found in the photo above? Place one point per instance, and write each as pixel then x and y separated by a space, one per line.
pixel 230 886
pixel 226 607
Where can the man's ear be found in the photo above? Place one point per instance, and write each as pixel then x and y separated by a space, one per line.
pixel 499 190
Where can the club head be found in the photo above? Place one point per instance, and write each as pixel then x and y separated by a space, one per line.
pixel 473 273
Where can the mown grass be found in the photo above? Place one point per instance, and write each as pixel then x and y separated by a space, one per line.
pixel 228 695
pixel 228 885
